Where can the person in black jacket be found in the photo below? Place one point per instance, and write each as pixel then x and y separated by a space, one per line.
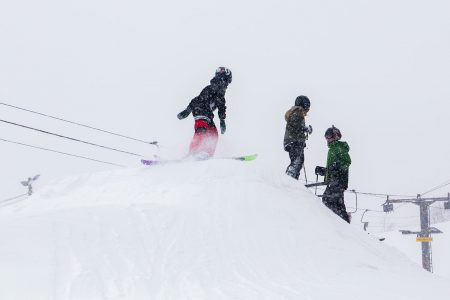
pixel 212 97
pixel 296 135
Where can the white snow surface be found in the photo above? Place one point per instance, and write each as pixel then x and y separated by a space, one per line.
pixel 214 229
pixel 440 247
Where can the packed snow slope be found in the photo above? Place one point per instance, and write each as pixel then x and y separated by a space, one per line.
pixel 213 229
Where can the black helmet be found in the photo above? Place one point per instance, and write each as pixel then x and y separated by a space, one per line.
pixel 303 101
pixel 333 134
pixel 224 74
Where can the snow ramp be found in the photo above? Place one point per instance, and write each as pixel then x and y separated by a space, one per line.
pixel 196 230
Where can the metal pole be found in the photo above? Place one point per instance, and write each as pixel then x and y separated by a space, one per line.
pixel 317 180
pixel 304 170
pixel 424 226
pixel 424 235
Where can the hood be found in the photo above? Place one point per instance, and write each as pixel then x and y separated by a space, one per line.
pixel 295 109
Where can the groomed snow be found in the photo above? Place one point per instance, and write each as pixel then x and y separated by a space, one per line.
pixel 213 229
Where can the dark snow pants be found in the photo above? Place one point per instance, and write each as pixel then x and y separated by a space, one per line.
pixel 297 156
pixel 333 198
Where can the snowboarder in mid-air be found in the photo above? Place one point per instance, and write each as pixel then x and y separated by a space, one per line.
pixel 336 173
pixel 296 135
pixel 212 97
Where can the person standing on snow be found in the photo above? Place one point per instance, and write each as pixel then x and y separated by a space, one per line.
pixel 296 135
pixel 212 97
pixel 336 173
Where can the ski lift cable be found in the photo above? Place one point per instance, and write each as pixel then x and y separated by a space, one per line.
pixel 367 209
pixel 438 207
pixel 64 153
pixel 391 217
pixel 13 198
pixel 437 187
pixel 155 143
pixel 378 195
pixel 396 225
pixel 445 183
pixel 70 138
pixel 367 194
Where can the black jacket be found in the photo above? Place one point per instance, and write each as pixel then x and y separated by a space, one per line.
pixel 211 98
pixel 295 126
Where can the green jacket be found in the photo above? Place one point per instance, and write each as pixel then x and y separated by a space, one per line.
pixel 338 151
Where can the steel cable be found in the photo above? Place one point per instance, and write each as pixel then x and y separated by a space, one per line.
pixel 60 152
pixel 155 143
pixel 70 138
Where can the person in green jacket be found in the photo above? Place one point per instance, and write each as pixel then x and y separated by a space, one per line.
pixel 336 173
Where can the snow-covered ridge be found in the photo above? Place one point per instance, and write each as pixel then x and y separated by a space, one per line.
pixel 195 230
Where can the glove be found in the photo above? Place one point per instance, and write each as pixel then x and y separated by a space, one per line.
pixel 223 126
pixel 184 114
pixel 320 171
pixel 308 129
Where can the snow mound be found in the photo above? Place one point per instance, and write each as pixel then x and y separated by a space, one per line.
pixel 196 230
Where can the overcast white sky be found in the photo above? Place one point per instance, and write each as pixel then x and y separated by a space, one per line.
pixel 378 70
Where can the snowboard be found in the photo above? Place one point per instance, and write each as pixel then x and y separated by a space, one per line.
pixel 152 162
